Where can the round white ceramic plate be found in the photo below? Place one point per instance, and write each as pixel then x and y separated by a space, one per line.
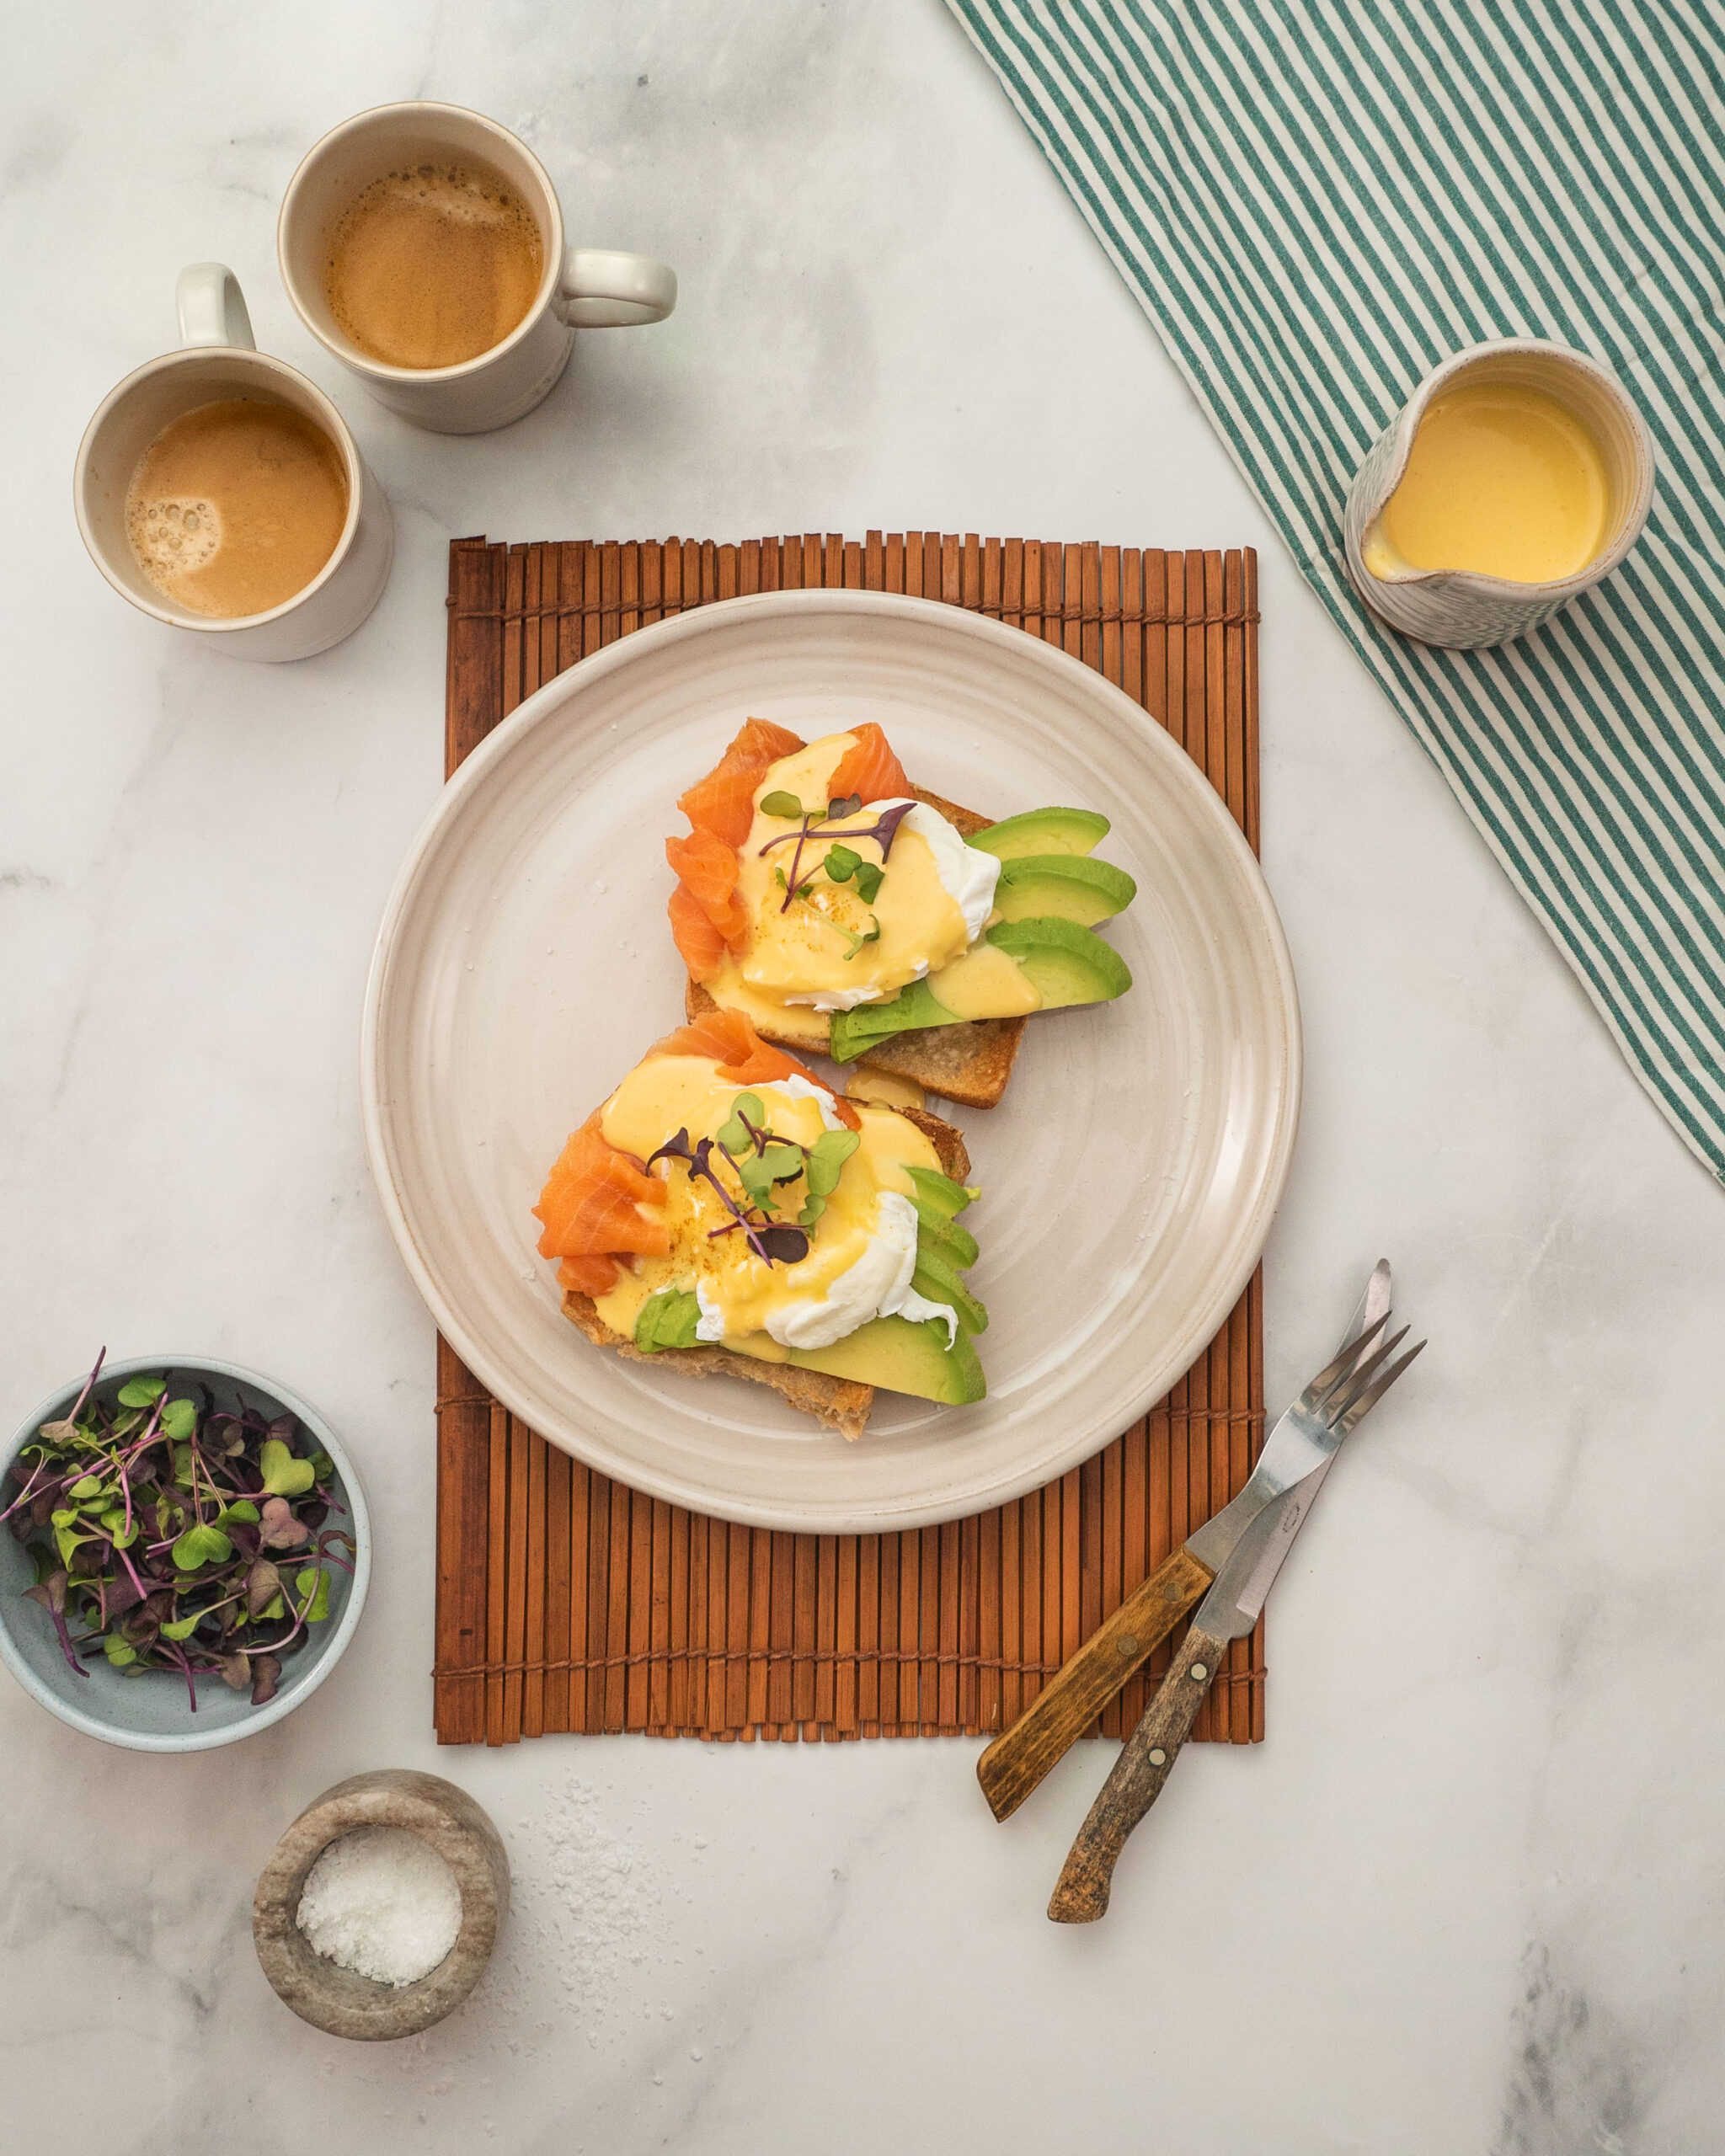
pixel 525 964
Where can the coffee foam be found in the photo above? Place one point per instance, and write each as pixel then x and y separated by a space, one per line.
pixel 236 506
pixel 432 264
pixel 172 538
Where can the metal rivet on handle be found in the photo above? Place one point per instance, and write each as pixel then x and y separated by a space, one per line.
pixel 1200 1672
pixel 1125 1644
pixel 1158 1758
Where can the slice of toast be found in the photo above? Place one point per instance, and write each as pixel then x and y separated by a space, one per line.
pixel 838 1402
pixel 970 1063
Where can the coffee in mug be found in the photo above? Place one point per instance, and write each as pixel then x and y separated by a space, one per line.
pixel 221 492
pixel 423 246
pixel 433 264
pixel 235 506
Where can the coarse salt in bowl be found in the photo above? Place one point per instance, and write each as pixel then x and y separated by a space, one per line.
pixel 381 1901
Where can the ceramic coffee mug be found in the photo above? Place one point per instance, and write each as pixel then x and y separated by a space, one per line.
pixel 219 359
pixel 1458 608
pixel 593 288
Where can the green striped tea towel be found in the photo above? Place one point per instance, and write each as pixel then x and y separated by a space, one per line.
pixel 1315 201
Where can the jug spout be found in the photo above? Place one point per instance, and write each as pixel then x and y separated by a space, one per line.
pixel 1379 561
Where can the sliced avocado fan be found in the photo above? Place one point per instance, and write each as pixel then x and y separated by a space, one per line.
pixel 1067 963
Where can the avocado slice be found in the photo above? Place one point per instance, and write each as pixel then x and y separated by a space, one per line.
pixel 936 1278
pixel 1066 963
pixel 903 1355
pixel 1042 830
pixel 1061 886
pixel 870 1023
pixel 940 1192
pixel 939 1232
pixel 668 1320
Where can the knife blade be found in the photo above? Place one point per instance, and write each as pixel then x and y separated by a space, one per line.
pixel 1019 1759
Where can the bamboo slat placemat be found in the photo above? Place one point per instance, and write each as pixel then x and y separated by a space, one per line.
pixel 568 1602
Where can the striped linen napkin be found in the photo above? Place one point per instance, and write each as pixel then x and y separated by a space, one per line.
pixel 1315 201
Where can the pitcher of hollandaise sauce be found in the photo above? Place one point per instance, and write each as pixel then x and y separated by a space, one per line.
pixel 1517 476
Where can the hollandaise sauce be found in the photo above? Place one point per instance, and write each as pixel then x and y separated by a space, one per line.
pixel 1502 480
pixel 909 902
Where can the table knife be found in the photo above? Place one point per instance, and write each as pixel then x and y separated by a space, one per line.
pixel 1227 1613
pixel 1020 1757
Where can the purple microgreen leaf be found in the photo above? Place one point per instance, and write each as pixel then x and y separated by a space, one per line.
pixel 279 1529
pixel 698 1160
pixel 785 1246
pixel 266 1675
pixel 88 1384
pixel 51 1595
pixel 263 1585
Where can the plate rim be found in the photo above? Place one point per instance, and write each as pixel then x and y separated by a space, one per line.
pixel 709 619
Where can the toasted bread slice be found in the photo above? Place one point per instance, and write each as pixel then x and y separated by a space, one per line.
pixel 840 1404
pixel 970 1063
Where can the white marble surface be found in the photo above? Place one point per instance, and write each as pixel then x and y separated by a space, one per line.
pixel 1468 1896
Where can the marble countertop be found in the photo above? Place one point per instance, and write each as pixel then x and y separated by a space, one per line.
pixel 1468 1895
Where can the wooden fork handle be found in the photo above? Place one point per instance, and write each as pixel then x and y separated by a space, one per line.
pixel 1146 1762
pixel 1019 1757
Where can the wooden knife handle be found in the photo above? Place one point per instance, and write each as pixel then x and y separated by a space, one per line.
pixel 1146 1760
pixel 1065 1707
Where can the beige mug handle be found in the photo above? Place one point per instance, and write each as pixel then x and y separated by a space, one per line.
pixel 212 308
pixel 602 289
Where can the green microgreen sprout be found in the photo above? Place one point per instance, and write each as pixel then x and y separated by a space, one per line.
pixel 762 1162
pixel 148 1521
pixel 842 866
pixel 884 830
pixel 856 941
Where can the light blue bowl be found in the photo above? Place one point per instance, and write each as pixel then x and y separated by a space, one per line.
pixel 152 1713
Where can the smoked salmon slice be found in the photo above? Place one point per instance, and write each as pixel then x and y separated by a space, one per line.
pixel 708 869
pixel 869 767
pixel 732 1042
pixel 587 1276
pixel 701 944
pixel 723 802
pixel 596 1200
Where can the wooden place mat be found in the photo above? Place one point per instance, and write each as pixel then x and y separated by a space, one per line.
pixel 566 1601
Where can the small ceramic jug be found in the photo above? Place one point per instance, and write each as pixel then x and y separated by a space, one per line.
pixel 1460 608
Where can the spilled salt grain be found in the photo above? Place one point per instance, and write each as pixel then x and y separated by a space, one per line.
pixel 381 1903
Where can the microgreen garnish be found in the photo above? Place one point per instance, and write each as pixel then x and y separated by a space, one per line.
pixel 781 804
pixel 762 1162
pixel 155 1515
pixel 856 941
pixel 884 830
pixel 697 1159
pixel 826 1163
pixel 841 865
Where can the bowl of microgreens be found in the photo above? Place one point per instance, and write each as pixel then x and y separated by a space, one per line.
pixel 186 1555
